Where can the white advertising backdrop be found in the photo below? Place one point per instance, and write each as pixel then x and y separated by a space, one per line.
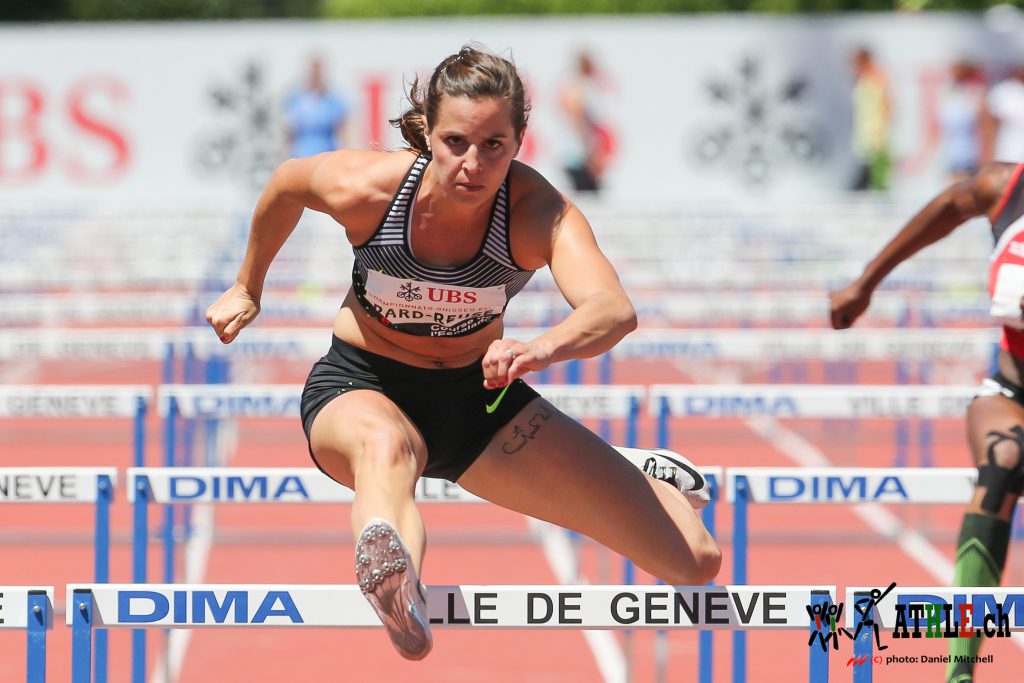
pixel 698 107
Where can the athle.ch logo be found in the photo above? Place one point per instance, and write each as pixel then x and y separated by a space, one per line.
pixel 916 616
pixel 827 618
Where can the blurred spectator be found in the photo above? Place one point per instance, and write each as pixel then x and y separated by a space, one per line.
pixel 314 116
pixel 960 108
pixel 587 146
pixel 872 111
pixel 1003 120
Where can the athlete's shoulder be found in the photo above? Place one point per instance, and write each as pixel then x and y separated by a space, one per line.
pixel 539 213
pixel 992 185
pixel 349 178
pixel 533 197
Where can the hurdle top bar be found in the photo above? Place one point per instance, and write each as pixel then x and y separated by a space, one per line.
pixel 14 606
pixel 279 485
pixel 780 345
pixel 852 484
pixel 766 307
pixel 67 401
pixel 53 484
pixel 225 401
pixel 701 344
pixel 538 606
pixel 110 344
pixel 267 485
pixel 855 401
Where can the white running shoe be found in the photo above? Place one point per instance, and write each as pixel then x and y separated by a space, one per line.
pixel 669 466
pixel 390 583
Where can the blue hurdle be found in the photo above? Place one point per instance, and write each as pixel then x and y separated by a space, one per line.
pixel 803 485
pixel 187 485
pixel 795 401
pixel 92 402
pixel 29 608
pixel 59 485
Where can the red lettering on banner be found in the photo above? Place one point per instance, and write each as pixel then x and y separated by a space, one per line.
pixel 453 296
pixel 430 294
pixel 469 297
pixel 86 120
pixel 21 132
pixel 374 88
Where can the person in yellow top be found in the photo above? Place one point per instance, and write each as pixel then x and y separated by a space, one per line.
pixel 872 113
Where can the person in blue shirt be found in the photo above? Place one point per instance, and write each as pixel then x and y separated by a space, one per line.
pixel 314 116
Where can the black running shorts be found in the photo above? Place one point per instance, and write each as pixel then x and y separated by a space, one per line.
pixel 449 405
pixel 998 384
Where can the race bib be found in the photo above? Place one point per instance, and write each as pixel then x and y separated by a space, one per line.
pixel 432 309
pixel 1007 292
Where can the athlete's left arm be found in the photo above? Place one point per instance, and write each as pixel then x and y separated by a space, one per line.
pixel 553 232
pixel 602 313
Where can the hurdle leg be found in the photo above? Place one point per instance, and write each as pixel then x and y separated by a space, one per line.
pixel 38 615
pixel 862 646
pixel 81 636
pixel 705 639
pixel 102 570
pixel 140 547
pixel 739 575
pixel 818 664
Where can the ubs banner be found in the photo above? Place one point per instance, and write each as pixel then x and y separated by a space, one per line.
pixel 689 108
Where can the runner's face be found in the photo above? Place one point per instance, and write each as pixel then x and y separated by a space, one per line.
pixel 473 143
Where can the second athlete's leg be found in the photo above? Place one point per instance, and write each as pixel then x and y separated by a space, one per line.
pixel 995 430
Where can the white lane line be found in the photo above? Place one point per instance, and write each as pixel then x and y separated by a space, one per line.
pixel 610 659
pixel 197 556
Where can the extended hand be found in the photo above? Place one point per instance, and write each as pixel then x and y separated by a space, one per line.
pixel 507 360
pixel 848 304
pixel 233 310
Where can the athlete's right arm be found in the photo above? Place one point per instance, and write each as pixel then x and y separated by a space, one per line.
pixel 323 182
pixel 967 199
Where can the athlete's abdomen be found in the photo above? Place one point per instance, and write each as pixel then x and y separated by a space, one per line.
pixel 356 326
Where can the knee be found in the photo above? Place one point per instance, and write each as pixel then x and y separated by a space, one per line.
pixel 708 561
pixel 1002 475
pixel 701 565
pixel 1005 453
pixel 385 448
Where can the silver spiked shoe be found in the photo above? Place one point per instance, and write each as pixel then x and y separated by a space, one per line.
pixel 389 581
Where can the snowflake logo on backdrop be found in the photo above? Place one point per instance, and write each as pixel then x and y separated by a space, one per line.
pixel 409 292
pixel 759 126
pixel 241 146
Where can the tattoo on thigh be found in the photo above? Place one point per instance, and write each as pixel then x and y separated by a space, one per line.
pixel 523 435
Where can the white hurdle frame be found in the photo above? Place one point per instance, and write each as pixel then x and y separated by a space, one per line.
pixel 99 606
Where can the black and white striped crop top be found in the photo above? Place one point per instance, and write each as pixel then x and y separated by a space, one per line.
pixel 431 301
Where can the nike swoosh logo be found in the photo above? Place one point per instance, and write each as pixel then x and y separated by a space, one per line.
pixel 698 479
pixel 494 406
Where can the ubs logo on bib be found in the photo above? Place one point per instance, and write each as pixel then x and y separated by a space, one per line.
pixel 409 292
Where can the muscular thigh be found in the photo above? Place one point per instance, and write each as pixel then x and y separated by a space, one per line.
pixel 546 465
pixel 991 419
pixel 342 428
pixel 995 429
